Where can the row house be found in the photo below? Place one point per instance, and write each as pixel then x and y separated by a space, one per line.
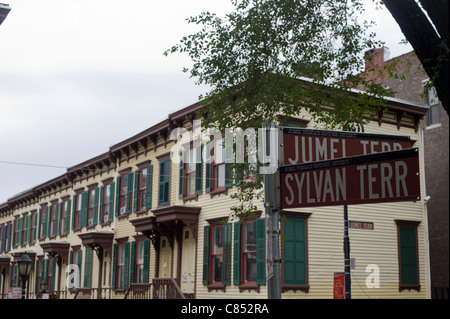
pixel 133 223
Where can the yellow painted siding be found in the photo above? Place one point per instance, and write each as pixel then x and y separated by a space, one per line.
pixel 325 230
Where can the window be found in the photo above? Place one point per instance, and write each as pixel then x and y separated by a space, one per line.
pixel 219 164
pixel 42 211
pixel 249 256
pixel 217 254
pixel 106 199
pixel 120 267
pixel 64 211
pixel 249 252
pixel 164 181
pixel 53 212
pixel 191 163
pixel 408 255
pixel 142 186
pixel 433 116
pixel 191 172
pixel 92 205
pixel 139 266
pixel 294 273
pixel 77 212
pixel 123 194
pixel 76 258
pixel 33 227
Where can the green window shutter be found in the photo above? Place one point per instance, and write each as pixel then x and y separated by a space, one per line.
pixel 261 251
pixel 164 181
pixel 47 212
pixel 10 231
pixel 2 239
pixel 182 178
pixel 74 208
pixel 132 261
pixel 408 256
pixel 206 255
pixel 294 262
pixel 117 195
pixel 149 187
pixel 69 207
pixel 58 218
pixel 229 163
pixel 127 265
pixel 35 229
pixel 114 267
pixel 88 268
pixel 53 272
pixel 100 205
pixel 199 170
pixel 146 260
pixel 112 192
pixel 237 254
pixel 136 191
pixel 84 208
pixel 208 168
pixel 226 264
pixel 38 224
pixel 19 230
pixel 96 199
pixel 129 192
pixel 27 229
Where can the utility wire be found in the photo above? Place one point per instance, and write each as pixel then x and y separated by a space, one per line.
pixel 31 164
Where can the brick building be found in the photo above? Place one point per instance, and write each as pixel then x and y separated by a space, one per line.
pixel 410 86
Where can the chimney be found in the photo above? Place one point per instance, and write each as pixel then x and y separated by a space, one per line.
pixel 374 57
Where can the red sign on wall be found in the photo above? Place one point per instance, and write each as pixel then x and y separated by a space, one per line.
pixel 339 285
pixel 376 178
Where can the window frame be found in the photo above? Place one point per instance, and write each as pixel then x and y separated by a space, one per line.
pixel 413 225
pixel 217 165
pixel 213 255
pixel 163 179
pixel 78 208
pixel 123 193
pixel 245 252
pixel 139 267
pixel 296 286
pixel 141 204
pixel 54 210
pixel 63 219
pixel 106 204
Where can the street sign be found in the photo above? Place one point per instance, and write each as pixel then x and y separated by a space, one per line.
pixel 309 145
pixel 14 293
pixel 374 178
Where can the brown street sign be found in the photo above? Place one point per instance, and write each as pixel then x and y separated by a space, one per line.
pixel 308 145
pixel 375 178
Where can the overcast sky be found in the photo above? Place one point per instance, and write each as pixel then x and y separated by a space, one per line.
pixel 78 76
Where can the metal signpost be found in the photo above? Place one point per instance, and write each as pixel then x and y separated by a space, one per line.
pixel 324 168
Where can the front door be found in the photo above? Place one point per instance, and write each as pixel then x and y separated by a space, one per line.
pixel 165 259
pixel 188 262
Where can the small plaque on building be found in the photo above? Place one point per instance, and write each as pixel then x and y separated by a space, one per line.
pixel 361 225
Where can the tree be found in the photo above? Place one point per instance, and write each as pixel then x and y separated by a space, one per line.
pixel 429 40
pixel 253 60
pixel 271 57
